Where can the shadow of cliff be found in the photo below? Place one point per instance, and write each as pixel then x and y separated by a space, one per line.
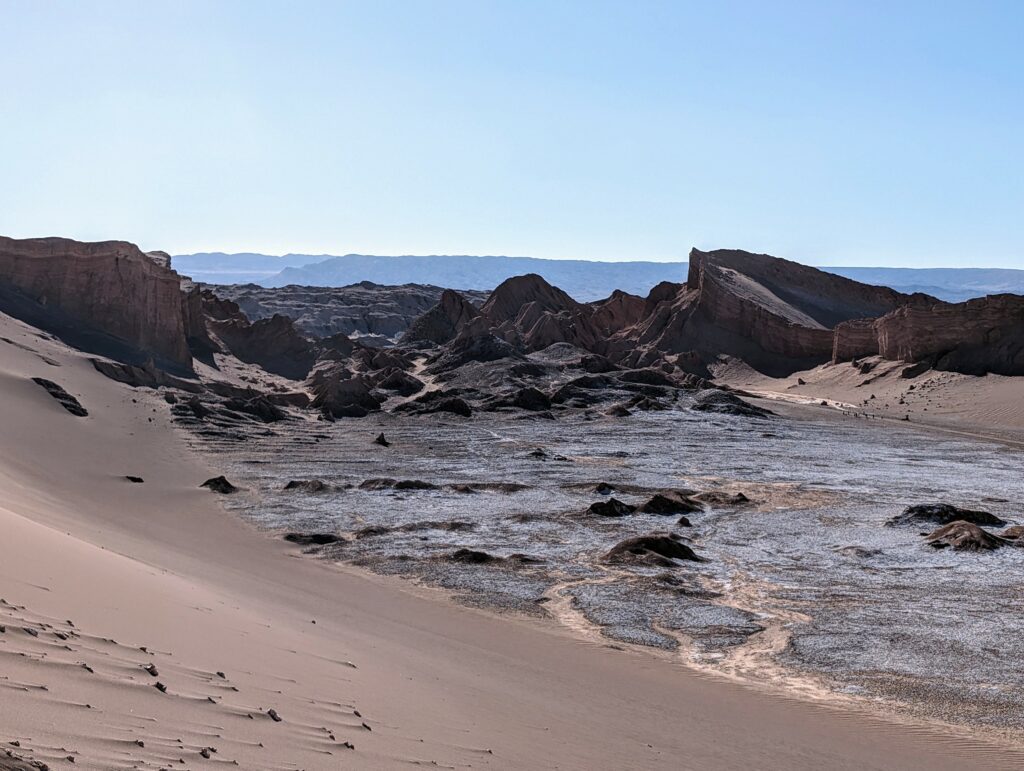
pixel 80 335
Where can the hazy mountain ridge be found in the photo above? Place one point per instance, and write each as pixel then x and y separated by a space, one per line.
pixel 585 280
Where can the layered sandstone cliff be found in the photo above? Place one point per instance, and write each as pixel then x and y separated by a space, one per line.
pixel 776 315
pixel 974 337
pixel 110 286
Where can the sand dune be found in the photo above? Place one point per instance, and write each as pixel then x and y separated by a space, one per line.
pixel 111 587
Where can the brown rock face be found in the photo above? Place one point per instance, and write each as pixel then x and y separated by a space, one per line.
pixel 274 344
pixel 442 322
pixel 110 286
pixel 854 339
pixel 531 314
pixel 964 536
pixel 774 314
pixel 974 337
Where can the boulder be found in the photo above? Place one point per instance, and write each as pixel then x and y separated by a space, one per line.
pixel 942 514
pixel 658 549
pixel 964 536
pixel 307 485
pixel 1013 533
pixel 726 403
pixel 670 504
pixel 613 507
pixel 313 539
pixel 220 485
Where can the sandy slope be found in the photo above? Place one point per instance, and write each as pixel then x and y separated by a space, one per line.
pixel 99 567
pixel 984 406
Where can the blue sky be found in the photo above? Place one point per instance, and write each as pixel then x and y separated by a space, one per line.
pixel 842 133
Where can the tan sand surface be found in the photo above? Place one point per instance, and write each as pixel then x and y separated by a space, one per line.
pixel 991 406
pixel 112 577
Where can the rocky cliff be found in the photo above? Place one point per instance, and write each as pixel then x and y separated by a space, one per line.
pixel 271 343
pixel 974 337
pixel 774 314
pixel 110 286
pixel 375 313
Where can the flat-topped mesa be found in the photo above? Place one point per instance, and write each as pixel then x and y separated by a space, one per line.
pixel 980 336
pixel 110 286
pixel 442 322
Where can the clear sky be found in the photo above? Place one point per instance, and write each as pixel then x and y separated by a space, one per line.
pixel 843 133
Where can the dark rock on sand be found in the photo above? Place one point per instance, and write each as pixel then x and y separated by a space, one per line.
pixel 307 485
pixel 381 440
pixel 726 403
pixel 670 504
pixel 385 483
pixel 613 507
pixel 1013 533
pixel 414 484
pixel 964 536
pixel 942 514
pixel 66 400
pixel 313 539
pixel 653 550
pixel 472 557
pixel 220 485
pixel 719 498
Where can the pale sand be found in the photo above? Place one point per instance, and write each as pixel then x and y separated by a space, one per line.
pixel 160 565
pixel 990 406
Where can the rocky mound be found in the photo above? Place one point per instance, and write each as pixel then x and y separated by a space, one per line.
pixel 964 536
pixel 670 503
pixel 942 514
pixel 726 403
pixel 651 550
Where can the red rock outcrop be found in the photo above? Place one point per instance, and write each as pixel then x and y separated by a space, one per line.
pixel 109 286
pixel 855 339
pixel 774 314
pixel 974 337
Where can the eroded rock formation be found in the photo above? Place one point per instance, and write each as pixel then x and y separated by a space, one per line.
pixel 110 286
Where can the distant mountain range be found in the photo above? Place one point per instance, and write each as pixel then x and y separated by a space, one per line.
pixel 583 279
